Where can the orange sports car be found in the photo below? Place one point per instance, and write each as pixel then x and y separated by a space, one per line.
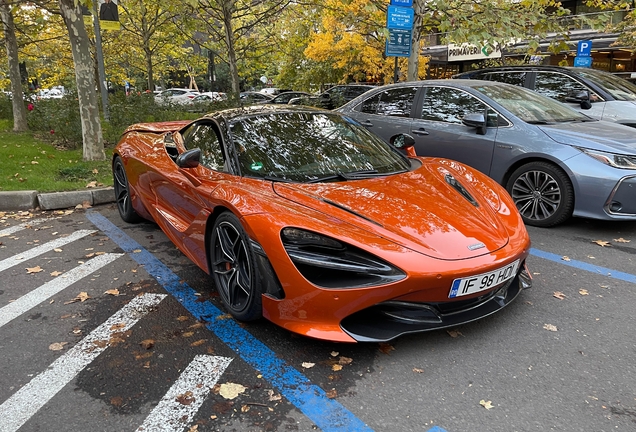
pixel 305 218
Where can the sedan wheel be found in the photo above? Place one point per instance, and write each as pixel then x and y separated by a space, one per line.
pixel 542 193
pixel 234 269
pixel 122 192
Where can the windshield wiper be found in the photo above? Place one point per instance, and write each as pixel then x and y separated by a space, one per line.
pixel 277 179
pixel 540 122
pixel 337 176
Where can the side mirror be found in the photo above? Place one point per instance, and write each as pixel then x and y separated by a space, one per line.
pixel 586 104
pixel 189 159
pixel 476 120
pixel 578 96
pixel 404 142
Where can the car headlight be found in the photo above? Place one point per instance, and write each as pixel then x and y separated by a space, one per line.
pixel 612 159
pixel 330 263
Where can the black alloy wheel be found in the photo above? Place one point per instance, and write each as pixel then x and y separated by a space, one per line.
pixel 122 192
pixel 542 193
pixel 234 269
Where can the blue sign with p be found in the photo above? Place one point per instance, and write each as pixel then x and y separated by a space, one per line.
pixel 584 48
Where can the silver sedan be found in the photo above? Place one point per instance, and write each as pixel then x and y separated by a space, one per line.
pixel 554 161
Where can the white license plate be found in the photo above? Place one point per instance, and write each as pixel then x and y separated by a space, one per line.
pixel 473 284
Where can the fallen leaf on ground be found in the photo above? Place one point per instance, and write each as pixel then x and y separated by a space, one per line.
pixel 334 353
pixel 187 334
pixel 345 360
pixel 565 258
pixel 57 346
pixel 272 396
pixel 308 365
pixel 182 318
pixel 231 390
pixel 245 408
pixel 621 240
pixel 583 292
pixel 386 348
pixel 418 370
pixel 147 343
pixel 331 394
pixel 197 343
pixel 113 292
pixel 550 327
pixel 35 269
pixel 454 333
pixel 57 250
pixel 91 184
pixel 56 273
pixel 486 404
pixel 559 295
pixel 336 367
pixel 186 398
pixel 80 298
pixel 602 243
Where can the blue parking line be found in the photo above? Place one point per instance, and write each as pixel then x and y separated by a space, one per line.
pixel 604 271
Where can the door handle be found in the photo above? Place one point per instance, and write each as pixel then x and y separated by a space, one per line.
pixel 420 132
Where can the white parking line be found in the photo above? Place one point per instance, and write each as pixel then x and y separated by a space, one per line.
pixel 19 408
pixel 38 295
pixel 14 229
pixel 177 408
pixel 44 248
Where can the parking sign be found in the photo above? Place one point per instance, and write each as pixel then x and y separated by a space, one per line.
pixel 584 48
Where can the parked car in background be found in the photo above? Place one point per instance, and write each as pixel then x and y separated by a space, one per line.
pixel 334 97
pixel 298 212
pixel 553 160
pixel 596 93
pixel 285 97
pixel 179 96
pixel 251 97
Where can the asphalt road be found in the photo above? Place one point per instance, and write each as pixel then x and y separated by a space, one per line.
pixel 110 328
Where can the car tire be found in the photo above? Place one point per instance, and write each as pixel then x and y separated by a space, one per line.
pixel 234 269
pixel 542 193
pixel 122 192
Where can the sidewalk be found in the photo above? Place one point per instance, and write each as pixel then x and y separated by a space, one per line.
pixel 31 199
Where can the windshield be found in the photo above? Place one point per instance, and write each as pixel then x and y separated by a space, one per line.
pixel 619 88
pixel 530 106
pixel 305 147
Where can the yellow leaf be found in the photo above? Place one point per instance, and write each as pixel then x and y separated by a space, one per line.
pixel 418 370
pixel 231 390
pixel 583 292
pixel 35 269
pixel 336 367
pixel 550 327
pixel 308 365
pixel 57 346
pixel 559 295
pixel 454 333
pixel 56 273
pixel 565 258
pixel 345 360
pixel 602 243
pixel 621 240
pixel 486 404
pixel 114 292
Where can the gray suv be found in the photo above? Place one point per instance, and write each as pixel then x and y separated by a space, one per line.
pixel 598 94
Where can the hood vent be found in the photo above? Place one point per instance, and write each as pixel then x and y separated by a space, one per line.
pixel 459 188
pixel 348 210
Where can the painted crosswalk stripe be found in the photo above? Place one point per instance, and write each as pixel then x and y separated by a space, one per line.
pixel 49 289
pixel 14 229
pixel 171 414
pixel 43 248
pixel 16 410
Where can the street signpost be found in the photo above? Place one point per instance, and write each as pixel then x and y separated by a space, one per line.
pixel 399 21
pixel 399 18
pixel 399 43
pixel 583 54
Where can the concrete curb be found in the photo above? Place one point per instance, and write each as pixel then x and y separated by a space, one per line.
pixel 31 199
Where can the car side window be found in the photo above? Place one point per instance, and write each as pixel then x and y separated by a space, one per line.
pixel 557 86
pixel 205 137
pixel 394 102
pixel 449 105
pixel 514 78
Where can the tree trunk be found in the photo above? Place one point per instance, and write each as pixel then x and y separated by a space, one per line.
pixel 414 58
pixel 19 112
pixel 93 144
pixel 228 7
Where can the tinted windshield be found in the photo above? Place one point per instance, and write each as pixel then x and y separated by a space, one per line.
pixel 529 106
pixel 309 147
pixel 619 88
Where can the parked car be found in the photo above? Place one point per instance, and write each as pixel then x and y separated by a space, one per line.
pixel 178 96
pixel 596 93
pixel 334 97
pixel 304 217
pixel 285 97
pixel 553 160
pixel 251 97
